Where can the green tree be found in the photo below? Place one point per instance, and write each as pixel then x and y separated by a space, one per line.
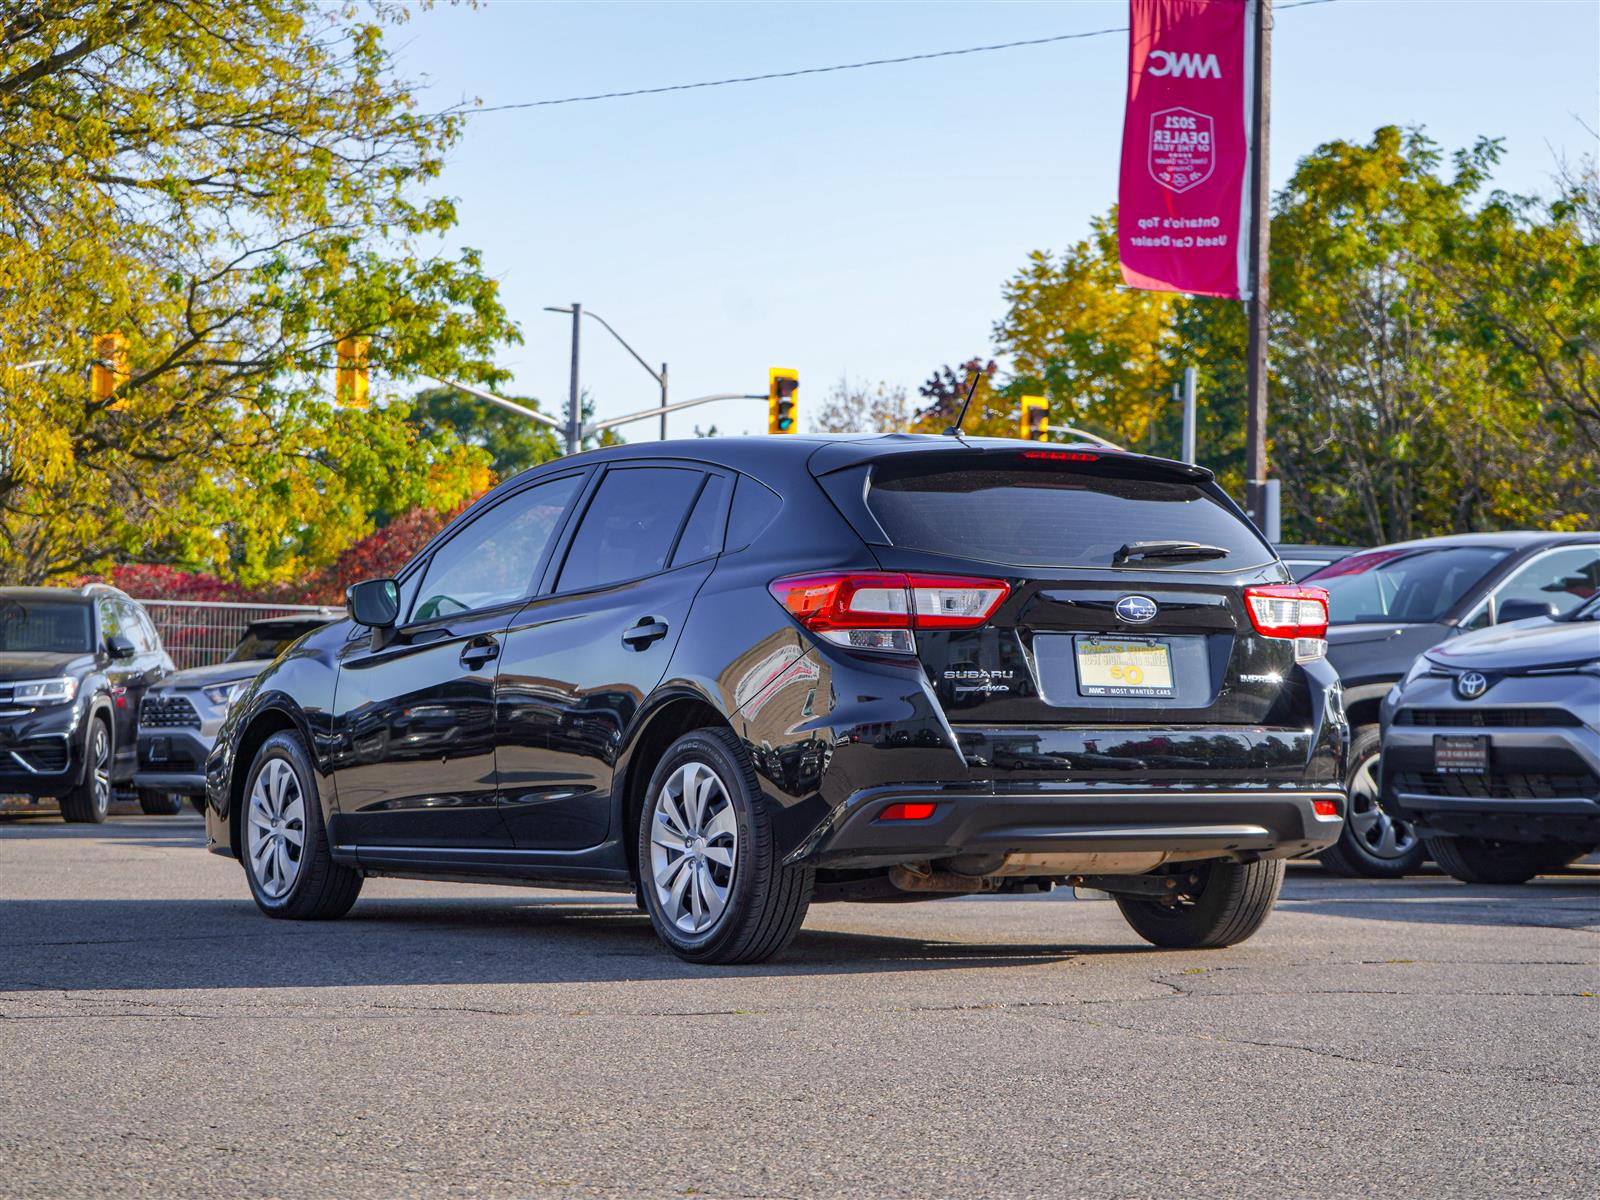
pixel 513 443
pixel 233 187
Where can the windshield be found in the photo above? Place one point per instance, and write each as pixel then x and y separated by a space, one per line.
pixel 1036 514
pixel 47 625
pixel 1587 612
pixel 1409 587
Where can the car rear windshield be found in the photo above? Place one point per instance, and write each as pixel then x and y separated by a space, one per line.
pixel 1405 587
pixel 45 625
pixel 1048 514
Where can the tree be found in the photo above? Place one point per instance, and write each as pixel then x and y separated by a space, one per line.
pixel 853 407
pixel 946 390
pixel 1100 353
pixel 513 443
pixel 233 188
pixel 1433 354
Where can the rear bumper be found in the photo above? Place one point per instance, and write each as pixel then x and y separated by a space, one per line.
pixel 1238 823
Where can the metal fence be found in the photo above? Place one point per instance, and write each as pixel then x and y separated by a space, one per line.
pixel 198 633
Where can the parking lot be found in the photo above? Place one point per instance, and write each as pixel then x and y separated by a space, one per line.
pixel 159 1036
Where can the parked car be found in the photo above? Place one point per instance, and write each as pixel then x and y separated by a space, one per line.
pixel 1491 747
pixel 180 716
pixel 74 665
pixel 1303 559
pixel 1391 604
pixel 737 675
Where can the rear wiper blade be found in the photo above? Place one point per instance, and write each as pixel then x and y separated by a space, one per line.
pixel 1195 550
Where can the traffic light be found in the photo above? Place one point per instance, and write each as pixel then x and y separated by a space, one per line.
pixel 783 386
pixel 110 369
pixel 350 376
pixel 1035 419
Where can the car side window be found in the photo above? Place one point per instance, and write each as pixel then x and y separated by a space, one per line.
pixel 110 619
pixel 754 507
pixel 147 623
pixel 630 526
pixel 135 629
pixel 1561 580
pixel 702 536
pixel 492 561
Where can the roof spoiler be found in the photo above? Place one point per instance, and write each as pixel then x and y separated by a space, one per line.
pixel 957 451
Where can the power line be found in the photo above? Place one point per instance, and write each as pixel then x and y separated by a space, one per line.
pixel 855 66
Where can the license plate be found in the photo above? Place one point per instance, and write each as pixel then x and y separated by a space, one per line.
pixel 1122 667
pixel 158 749
pixel 1460 754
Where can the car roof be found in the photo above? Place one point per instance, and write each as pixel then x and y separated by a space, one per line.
pixel 827 452
pixel 1317 550
pixel 85 593
pixel 1514 539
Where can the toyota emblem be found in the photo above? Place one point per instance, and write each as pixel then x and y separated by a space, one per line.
pixel 1136 610
pixel 1471 684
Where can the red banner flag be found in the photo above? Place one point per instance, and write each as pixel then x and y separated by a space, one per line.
pixel 1184 200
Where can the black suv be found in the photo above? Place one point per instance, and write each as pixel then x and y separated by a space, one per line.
pixel 739 675
pixel 1389 605
pixel 74 665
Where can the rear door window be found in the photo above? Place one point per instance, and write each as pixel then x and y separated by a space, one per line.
pixel 1043 515
pixel 702 536
pixel 630 527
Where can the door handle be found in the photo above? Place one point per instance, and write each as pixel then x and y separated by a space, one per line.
pixel 646 631
pixel 479 651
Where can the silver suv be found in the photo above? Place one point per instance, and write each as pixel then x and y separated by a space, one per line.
pixel 1491 745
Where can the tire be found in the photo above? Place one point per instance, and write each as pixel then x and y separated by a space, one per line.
pixel 1476 860
pixel 1233 900
pixel 1373 844
pixel 705 838
pixel 160 804
pixel 89 801
pixel 298 882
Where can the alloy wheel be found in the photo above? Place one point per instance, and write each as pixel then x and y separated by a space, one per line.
pixel 100 749
pixel 1380 834
pixel 277 828
pixel 694 848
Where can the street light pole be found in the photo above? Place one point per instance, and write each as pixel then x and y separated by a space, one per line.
pixel 577 421
pixel 574 412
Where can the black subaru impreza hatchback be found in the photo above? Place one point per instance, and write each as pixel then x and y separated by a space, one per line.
pixel 738 676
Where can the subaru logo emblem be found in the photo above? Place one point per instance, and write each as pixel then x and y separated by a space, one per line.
pixel 1470 685
pixel 1136 610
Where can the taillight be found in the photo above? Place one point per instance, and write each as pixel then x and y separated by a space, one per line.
pixel 1291 611
pixel 873 611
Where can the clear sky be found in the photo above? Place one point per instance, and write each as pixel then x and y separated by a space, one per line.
pixel 863 222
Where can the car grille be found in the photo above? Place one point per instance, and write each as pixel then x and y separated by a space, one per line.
pixel 43 755
pixel 168 712
pixel 1499 786
pixel 1481 718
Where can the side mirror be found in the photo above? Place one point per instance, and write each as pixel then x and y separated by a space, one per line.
pixel 374 602
pixel 1521 610
pixel 119 647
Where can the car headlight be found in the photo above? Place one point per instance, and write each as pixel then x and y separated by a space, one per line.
pixel 224 695
pixel 45 691
pixel 1421 666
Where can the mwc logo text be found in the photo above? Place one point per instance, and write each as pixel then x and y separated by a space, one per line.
pixel 1184 66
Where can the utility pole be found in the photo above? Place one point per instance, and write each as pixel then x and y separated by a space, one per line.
pixel 1255 468
pixel 574 412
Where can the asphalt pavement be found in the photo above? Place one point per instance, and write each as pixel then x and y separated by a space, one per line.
pixel 160 1037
